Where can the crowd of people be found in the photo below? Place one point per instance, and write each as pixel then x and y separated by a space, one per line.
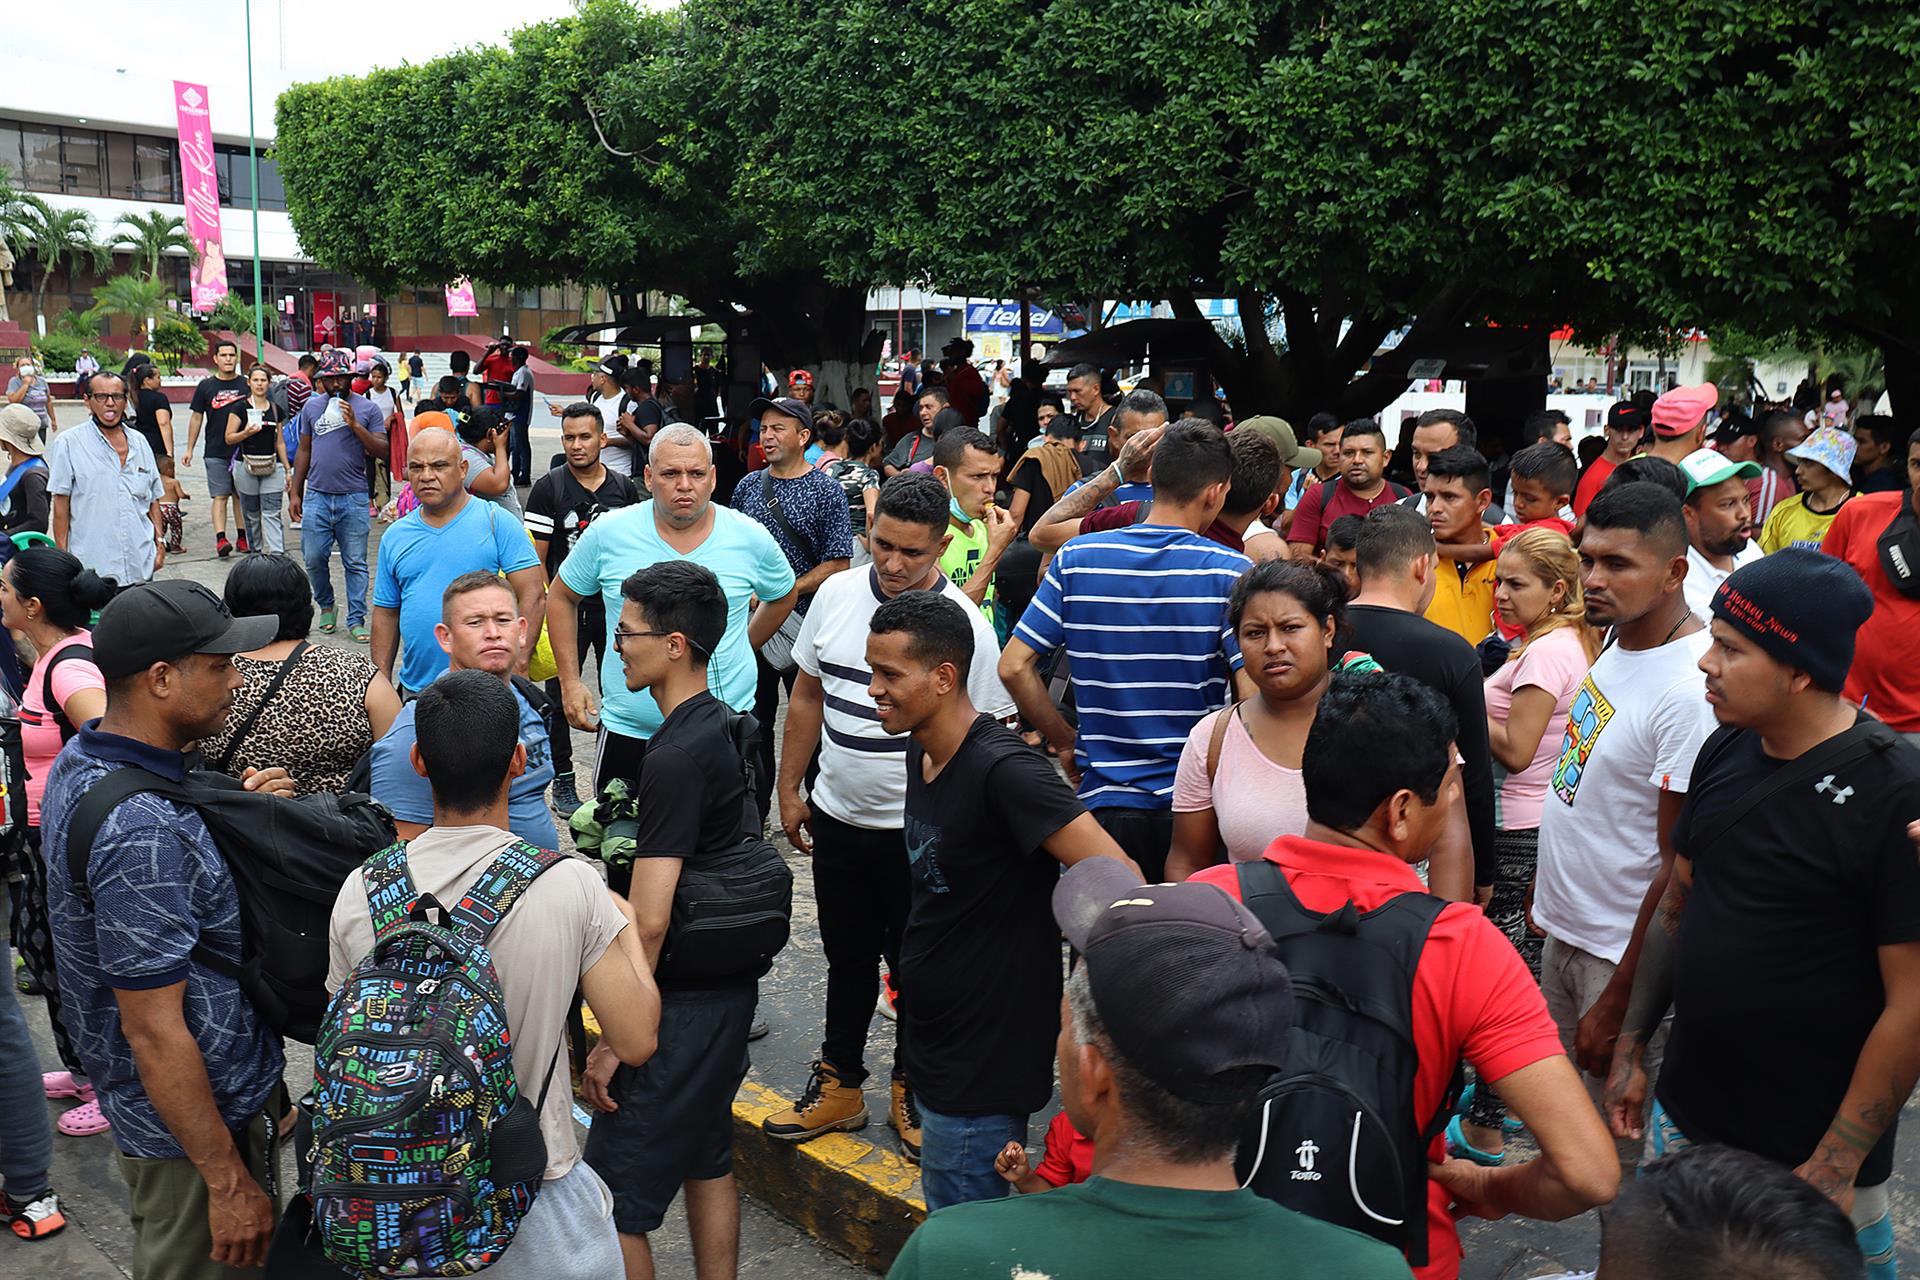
pixel 1388 802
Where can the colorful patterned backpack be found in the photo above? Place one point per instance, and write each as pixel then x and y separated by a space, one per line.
pixel 424 1154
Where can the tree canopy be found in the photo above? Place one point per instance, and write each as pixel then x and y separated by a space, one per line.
pixel 1615 164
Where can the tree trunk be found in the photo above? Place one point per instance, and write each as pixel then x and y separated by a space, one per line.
pixel 1902 360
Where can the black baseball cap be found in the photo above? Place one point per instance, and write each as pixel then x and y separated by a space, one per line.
pixel 162 621
pixel 1186 980
pixel 1625 415
pixel 785 404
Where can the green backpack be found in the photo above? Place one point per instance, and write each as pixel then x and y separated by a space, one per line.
pixel 424 1155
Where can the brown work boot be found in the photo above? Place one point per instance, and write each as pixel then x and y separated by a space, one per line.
pixel 904 1115
pixel 828 1104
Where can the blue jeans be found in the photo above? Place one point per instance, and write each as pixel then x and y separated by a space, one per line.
pixel 327 519
pixel 957 1152
pixel 26 1135
pixel 519 447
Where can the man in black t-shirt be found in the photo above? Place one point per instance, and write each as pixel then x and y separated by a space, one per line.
pixel 560 506
pixel 667 1125
pixel 1788 942
pixel 1396 559
pixel 989 823
pixel 210 400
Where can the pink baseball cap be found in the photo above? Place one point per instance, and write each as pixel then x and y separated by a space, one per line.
pixel 1683 408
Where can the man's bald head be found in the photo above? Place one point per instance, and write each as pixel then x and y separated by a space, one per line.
pixel 436 470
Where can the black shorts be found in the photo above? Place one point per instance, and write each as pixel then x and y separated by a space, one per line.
pixel 675 1120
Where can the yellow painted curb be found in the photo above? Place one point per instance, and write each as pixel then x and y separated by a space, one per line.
pixel 859 1199
pixel 856 1197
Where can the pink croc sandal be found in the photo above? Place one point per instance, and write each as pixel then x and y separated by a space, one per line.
pixel 61 1084
pixel 83 1121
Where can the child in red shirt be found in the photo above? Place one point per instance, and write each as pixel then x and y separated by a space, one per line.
pixel 1069 1158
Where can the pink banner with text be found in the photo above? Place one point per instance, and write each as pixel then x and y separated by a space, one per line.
pixel 460 300
pixel 203 194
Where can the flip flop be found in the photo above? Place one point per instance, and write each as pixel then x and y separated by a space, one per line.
pixel 1460 1148
pixel 359 634
pixel 61 1084
pixel 83 1121
pixel 329 619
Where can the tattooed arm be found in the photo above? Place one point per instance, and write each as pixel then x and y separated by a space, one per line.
pixel 1882 1078
pixel 1062 520
pixel 1626 1095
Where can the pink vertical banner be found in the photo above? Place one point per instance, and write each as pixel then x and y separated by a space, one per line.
pixel 203 194
pixel 460 301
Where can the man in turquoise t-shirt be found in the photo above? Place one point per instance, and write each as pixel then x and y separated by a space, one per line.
pixel 1163 1199
pixel 451 534
pixel 680 523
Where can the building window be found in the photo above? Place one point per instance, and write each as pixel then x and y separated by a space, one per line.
pixel 156 169
pixel 40 152
pixel 83 162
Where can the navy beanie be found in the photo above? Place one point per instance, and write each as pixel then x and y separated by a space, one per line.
pixel 1800 606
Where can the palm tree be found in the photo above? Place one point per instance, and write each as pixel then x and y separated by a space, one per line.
pixel 56 236
pixel 130 296
pixel 148 237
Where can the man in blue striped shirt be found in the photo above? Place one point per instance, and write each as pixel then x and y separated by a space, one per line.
pixel 1142 614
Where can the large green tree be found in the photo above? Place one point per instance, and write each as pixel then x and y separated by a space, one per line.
pixel 600 148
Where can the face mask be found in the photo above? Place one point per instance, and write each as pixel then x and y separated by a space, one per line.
pixel 953 506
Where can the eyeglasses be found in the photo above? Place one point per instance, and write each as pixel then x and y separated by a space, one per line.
pixel 621 635
pixel 107 399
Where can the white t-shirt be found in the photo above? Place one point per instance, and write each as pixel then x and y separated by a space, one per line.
pixel 1633 731
pixel 1704 578
pixel 863 768
pixel 617 457
pixel 555 933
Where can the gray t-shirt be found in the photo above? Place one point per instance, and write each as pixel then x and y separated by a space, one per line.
pixel 478 462
pixel 555 933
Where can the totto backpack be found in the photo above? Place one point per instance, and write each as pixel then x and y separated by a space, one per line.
pixel 732 910
pixel 1335 1136
pixel 288 858
pixel 424 1156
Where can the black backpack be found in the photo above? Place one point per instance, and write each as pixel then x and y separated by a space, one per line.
pixel 288 859
pixel 732 911
pixel 1335 1136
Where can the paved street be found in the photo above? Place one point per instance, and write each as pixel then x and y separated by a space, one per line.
pixel 99 1242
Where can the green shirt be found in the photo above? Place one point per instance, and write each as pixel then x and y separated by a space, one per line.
pixel 1100 1229
pixel 963 555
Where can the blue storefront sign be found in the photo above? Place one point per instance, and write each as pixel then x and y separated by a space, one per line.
pixel 1002 317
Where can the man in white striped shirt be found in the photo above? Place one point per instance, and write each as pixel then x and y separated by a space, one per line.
pixel 853 819
pixel 1142 614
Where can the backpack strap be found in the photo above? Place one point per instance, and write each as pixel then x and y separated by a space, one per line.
pixel 84 823
pixel 72 652
pixel 1218 740
pixel 391 896
pixel 1865 737
pixel 280 675
pixel 488 899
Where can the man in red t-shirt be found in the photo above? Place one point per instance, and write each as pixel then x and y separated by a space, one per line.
pixel 496 366
pixel 1381 774
pixel 1884 678
pixel 966 389
pixel 1361 486
pixel 1626 425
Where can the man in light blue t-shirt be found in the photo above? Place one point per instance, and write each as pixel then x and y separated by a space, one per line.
pixel 680 523
pixel 452 533
pixel 480 630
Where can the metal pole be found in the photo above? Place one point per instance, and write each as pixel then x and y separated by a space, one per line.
pixel 253 160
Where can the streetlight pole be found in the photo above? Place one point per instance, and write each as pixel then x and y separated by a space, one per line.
pixel 253 161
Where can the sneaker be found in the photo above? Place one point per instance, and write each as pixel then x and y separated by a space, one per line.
pixel 826 1105
pixel 34 1219
pixel 888 995
pixel 240 543
pixel 221 546
pixel 759 1029
pixel 23 980
pixel 903 1114
pixel 565 798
